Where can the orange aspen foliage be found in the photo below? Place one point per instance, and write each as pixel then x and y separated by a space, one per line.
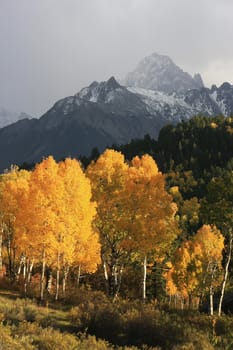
pixel 13 188
pixel 150 211
pixel 196 261
pixel 208 246
pixel 211 243
pixel 108 176
pixel 171 288
pixel 135 213
pixel 81 242
pixel 37 223
pixel 56 216
pixel 184 270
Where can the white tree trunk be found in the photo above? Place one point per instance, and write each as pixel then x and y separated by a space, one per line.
pixel 58 277
pixel 42 275
pixel 20 267
pixel 30 271
pixel 57 284
pixel 225 277
pixel 211 301
pixel 49 281
pixel 24 268
pixel 106 276
pixel 214 266
pixel 144 280
pixel 119 283
pixel 65 275
pixel 78 276
pixel 105 271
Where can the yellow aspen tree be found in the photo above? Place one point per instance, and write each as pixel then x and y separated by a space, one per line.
pixel 171 288
pixel 208 247
pixel 135 213
pixel 197 264
pixel 150 212
pixel 184 270
pixel 56 219
pixel 13 187
pixel 216 208
pixel 37 223
pixel 80 242
pixel 108 176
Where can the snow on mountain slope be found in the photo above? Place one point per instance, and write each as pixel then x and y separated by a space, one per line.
pixel 105 113
pixel 159 72
pixel 178 107
pixel 102 92
pixel 174 107
pixel 111 97
pixel 223 97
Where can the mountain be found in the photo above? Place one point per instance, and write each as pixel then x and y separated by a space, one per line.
pixel 99 115
pixel 8 117
pixel 159 72
pixel 108 113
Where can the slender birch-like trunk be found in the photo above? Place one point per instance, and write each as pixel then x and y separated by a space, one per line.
pixel 211 300
pixel 24 268
pixel 65 275
pixel 30 271
pixel 106 276
pixel 144 280
pixel 20 267
pixel 49 281
pixel 78 276
pixel 42 275
pixel 225 276
pixel 58 277
pixel 27 272
pixel 57 284
pixel 119 283
pixel 112 280
pixel 105 271
pixel 212 290
pixel 9 256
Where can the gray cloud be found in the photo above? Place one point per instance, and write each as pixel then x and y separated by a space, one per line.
pixel 51 48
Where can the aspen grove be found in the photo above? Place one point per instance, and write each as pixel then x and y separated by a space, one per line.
pixel 59 221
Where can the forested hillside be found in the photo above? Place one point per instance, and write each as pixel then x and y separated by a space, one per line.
pixel 147 223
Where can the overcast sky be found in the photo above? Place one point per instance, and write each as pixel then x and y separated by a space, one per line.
pixel 50 49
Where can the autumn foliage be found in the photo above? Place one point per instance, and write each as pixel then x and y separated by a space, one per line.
pixel 47 218
pixel 61 221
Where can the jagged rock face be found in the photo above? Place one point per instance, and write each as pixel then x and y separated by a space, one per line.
pixel 197 77
pixel 102 92
pixel 223 97
pixel 158 72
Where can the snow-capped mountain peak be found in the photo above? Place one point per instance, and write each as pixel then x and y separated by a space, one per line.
pixel 159 72
pixel 100 92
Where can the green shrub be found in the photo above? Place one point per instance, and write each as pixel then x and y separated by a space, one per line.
pixel 50 339
pixel 8 342
pixel 18 311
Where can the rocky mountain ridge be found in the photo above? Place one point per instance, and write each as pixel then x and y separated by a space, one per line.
pixel 105 113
